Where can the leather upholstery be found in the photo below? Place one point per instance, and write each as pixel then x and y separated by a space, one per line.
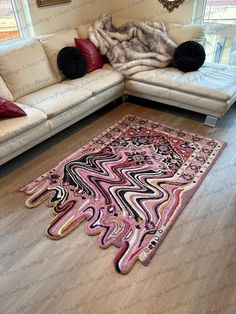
pixel 163 94
pixel 25 68
pixel 97 81
pixel 10 128
pixel 92 55
pixel 56 99
pixel 9 109
pixel 215 81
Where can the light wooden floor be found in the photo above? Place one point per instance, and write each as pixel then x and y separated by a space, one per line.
pixel 192 272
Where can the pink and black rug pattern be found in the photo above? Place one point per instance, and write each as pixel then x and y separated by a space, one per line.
pixel 129 184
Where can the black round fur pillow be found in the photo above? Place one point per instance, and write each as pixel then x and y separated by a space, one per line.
pixel 71 62
pixel 189 56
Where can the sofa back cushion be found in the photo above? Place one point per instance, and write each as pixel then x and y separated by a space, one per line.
pixel 178 32
pixel 181 33
pixel 83 30
pixel 25 68
pixel 4 91
pixel 119 20
pixel 53 43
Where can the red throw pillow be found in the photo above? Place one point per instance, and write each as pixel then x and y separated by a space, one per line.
pixel 92 55
pixel 10 110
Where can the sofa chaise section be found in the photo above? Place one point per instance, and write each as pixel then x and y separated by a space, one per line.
pixel 211 90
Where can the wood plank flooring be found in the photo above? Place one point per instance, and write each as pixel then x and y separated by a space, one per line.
pixel 193 272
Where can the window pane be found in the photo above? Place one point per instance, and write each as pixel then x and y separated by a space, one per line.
pixel 8 24
pixel 220 49
pixel 220 44
pixel 221 11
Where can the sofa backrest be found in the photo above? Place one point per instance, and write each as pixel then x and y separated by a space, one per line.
pixel 53 43
pixel 32 65
pixel 181 33
pixel 25 68
pixel 83 30
pixel 178 32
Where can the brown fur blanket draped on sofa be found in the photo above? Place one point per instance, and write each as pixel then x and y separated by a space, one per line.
pixel 134 47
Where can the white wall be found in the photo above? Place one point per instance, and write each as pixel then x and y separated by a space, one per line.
pixel 153 10
pixel 52 18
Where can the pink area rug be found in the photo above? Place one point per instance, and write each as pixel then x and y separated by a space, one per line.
pixel 129 184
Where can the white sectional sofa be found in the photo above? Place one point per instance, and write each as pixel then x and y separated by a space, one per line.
pixel 211 90
pixel 29 77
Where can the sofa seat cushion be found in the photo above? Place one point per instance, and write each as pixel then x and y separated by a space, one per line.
pixel 13 127
pixel 56 98
pixel 25 68
pixel 215 81
pixel 76 113
pixel 97 81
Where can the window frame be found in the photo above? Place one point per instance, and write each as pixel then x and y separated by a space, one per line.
pixel 23 20
pixel 227 30
pixel 221 29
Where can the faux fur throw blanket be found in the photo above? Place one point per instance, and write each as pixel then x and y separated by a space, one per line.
pixel 134 47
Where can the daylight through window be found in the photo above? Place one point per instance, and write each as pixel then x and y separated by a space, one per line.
pixel 9 28
pixel 220 19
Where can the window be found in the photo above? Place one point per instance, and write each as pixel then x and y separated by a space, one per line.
pixel 15 20
pixel 220 11
pixel 219 16
pixel 9 28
